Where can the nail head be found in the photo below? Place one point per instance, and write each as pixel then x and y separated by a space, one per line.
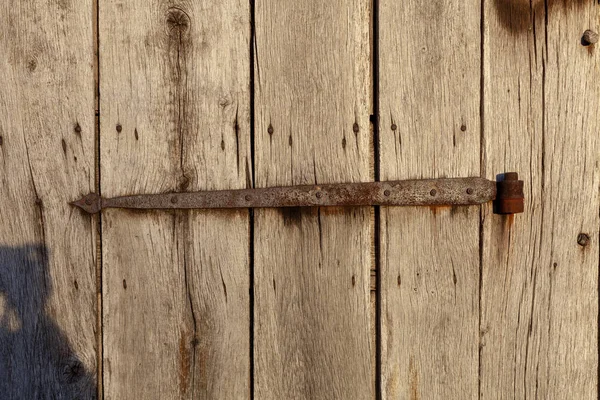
pixel 589 37
pixel 583 239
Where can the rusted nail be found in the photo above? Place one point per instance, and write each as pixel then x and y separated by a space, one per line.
pixel 247 197
pixel 589 37
pixel 88 201
pixel 433 192
pixel 319 195
pixel 463 127
pixel 174 199
pixel 119 128
pixel 386 192
pixel 355 128
pixel 394 127
pixel 583 239
pixel 469 191
pixel 270 130
pixel 77 128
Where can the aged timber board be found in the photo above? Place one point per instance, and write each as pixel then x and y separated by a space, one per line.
pixel 47 249
pixel 175 116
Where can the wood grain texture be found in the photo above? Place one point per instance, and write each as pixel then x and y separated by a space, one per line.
pixel 312 266
pixel 429 54
pixel 175 117
pixel 539 287
pixel 47 257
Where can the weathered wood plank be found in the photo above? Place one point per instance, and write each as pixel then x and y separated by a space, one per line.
pixel 539 287
pixel 429 54
pixel 312 266
pixel 47 254
pixel 175 115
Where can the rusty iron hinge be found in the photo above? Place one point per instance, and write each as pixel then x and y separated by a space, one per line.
pixel 508 194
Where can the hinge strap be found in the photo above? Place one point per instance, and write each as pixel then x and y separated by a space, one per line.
pixel 418 192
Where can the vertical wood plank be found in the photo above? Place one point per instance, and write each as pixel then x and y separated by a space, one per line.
pixel 175 115
pixel 47 254
pixel 312 266
pixel 539 286
pixel 429 118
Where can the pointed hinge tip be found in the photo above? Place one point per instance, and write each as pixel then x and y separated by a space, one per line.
pixel 91 203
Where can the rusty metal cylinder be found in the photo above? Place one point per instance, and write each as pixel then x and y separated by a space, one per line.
pixel 509 195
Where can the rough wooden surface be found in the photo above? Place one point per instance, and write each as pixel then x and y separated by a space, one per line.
pixel 47 279
pixel 473 305
pixel 175 117
pixel 429 120
pixel 312 266
pixel 539 291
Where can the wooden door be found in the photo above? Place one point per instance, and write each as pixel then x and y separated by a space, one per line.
pixel 167 96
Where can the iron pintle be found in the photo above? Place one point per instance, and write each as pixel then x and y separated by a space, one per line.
pixel 509 195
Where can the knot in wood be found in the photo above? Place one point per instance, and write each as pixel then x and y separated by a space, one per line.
pixel 72 370
pixel 32 64
pixel 178 20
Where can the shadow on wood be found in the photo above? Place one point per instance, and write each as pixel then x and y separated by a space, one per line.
pixel 36 359
pixel 518 15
